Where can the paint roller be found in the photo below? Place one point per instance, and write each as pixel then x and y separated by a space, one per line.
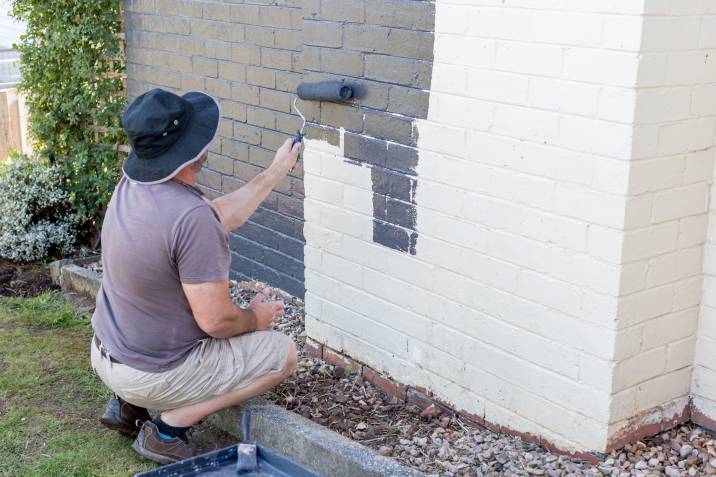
pixel 321 91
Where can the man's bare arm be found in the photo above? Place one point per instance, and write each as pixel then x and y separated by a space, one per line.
pixel 236 208
pixel 219 317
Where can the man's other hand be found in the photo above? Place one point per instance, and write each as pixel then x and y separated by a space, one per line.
pixel 286 157
pixel 265 311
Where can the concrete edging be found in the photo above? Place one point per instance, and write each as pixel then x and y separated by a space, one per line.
pixel 309 444
pixel 294 436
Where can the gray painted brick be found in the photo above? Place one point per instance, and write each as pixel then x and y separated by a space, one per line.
pixel 410 14
pixel 297 187
pixel 365 149
pixel 205 67
pixel 398 70
pixel 408 101
pixel 291 206
pixel 260 76
pixel 342 62
pixel 329 135
pixel 258 234
pixel 322 33
pixel 394 237
pixel 343 11
pixel 392 184
pixel 341 116
pixel 391 127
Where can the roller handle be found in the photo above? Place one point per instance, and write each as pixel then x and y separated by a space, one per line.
pixel 298 138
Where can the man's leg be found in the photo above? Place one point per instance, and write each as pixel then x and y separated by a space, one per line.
pixel 189 415
pixel 153 441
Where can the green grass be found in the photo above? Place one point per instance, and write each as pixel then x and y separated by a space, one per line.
pixel 50 400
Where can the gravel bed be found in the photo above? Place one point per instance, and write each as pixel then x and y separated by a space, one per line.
pixel 443 445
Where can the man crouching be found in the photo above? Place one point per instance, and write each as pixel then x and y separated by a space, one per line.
pixel 167 335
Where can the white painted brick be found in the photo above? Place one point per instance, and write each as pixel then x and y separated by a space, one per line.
pixel 596 137
pixel 640 368
pixel 527 123
pixel 699 166
pixel 681 202
pixel 556 294
pixel 591 206
pixel 563 96
pixel 503 23
pixel 638 211
pixel 633 277
pixel 650 241
pixel 690 67
pixel 670 33
pixel 645 305
pixel 530 58
pixel 704 382
pixel 680 355
pixel 497 86
pixel 440 138
pixel 461 50
pixel 358 200
pixel 657 105
pixel 663 390
pixel 687 293
pixel 551 228
pixel 605 243
pixel 617 104
pixel 610 175
pixel 707 37
pixel 609 67
pixel 675 266
pixel 686 136
pixel 692 230
pixel 582 29
pixel 451 79
pixel 656 174
pixel 323 189
pixel 706 351
pixel 703 100
pixel 622 32
pixel 670 328
pixel 450 110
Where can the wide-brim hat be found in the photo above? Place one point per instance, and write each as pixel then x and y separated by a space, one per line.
pixel 167 132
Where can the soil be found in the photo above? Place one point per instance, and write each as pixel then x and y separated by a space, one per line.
pixel 24 280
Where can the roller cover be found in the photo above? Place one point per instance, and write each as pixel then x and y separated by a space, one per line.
pixel 325 91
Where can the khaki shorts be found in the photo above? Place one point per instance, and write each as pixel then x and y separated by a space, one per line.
pixel 213 368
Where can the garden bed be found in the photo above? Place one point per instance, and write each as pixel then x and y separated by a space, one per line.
pixel 442 444
pixel 23 280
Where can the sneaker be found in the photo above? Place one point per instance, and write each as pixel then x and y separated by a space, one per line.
pixel 151 445
pixel 123 417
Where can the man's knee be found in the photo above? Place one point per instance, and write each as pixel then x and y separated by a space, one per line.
pixel 291 361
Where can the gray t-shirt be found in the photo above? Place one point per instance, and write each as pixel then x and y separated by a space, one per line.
pixel 154 238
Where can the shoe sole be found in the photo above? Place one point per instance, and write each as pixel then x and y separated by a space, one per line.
pixel 127 431
pixel 147 454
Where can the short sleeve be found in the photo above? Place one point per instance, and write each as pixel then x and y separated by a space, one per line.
pixel 201 247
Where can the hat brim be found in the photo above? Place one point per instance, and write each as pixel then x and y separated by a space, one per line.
pixel 197 136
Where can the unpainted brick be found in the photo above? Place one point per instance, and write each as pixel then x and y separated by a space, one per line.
pixel 192 83
pixel 290 206
pixel 276 100
pixel 186 8
pixel 218 88
pixel 311 9
pixel 230 184
pixel 288 39
pixel 245 13
pixel 287 123
pixel 261 157
pixel 273 140
pixel 245 171
pixel 259 35
pixel 245 93
pixel 277 59
pixel 322 33
pixel 310 58
pixel 287 81
pixel 275 16
pixel 235 150
pixel 221 164
pixel 233 110
pixel 389 41
pixel 209 179
pixel 139 6
pixel 261 117
pixel 185 45
pixel 229 70
pixel 180 63
pixel 217 11
pixel 246 54
pixel 260 76
pixel 216 30
pixel 217 49
pixel 321 133
pixel 247 133
pixel 205 67
pixel 297 187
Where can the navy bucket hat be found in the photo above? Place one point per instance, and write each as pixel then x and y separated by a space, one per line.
pixel 168 132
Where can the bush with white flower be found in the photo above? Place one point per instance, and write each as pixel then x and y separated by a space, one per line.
pixel 36 218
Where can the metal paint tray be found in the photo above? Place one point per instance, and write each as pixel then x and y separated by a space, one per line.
pixel 222 463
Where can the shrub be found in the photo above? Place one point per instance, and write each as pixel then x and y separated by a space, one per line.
pixel 72 67
pixel 36 218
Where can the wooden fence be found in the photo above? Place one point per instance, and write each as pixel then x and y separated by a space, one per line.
pixel 13 123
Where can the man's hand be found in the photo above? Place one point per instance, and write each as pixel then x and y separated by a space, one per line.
pixel 286 157
pixel 265 311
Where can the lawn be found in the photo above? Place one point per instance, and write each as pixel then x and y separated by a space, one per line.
pixel 50 400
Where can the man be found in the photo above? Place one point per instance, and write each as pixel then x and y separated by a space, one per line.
pixel 167 335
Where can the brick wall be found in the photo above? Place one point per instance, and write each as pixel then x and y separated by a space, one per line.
pixel 666 215
pixel 561 190
pixel 247 55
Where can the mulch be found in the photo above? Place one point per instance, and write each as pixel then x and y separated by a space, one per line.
pixel 24 280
